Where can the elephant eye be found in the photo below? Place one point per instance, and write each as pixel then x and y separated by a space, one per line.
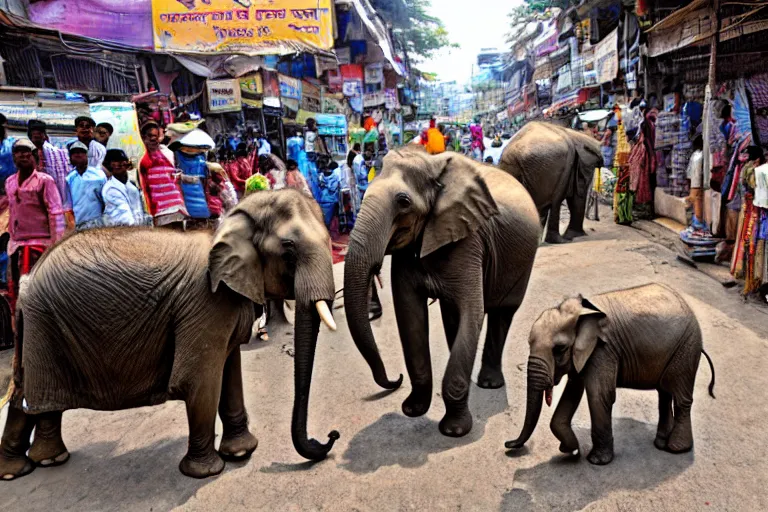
pixel 403 201
pixel 288 244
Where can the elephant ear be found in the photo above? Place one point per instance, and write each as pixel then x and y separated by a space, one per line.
pixel 463 203
pixel 587 332
pixel 234 259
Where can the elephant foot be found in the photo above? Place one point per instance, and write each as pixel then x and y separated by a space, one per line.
pixel 490 378
pixel 201 467
pixel 237 448
pixel 456 424
pixel 12 468
pixel 48 452
pixel 678 444
pixel 660 442
pixel 417 403
pixel 573 451
pixel 574 233
pixel 555 238
pixel 600 457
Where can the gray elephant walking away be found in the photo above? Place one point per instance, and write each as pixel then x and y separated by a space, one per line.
pixel 127 317
pixel 554 164
pixel 641 338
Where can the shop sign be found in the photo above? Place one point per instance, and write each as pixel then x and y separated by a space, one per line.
pixel 289 87
pixel 391 101
pixel 374 73
pixel 58 115
pixel 251 90
pixel 243 26
pixel 223 95
pixel 607 58
pixel 589 72
pixel 310 97
pixel 734 27
pixel 374 99
pixel 696 26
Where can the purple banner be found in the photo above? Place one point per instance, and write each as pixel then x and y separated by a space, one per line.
pixel 127 22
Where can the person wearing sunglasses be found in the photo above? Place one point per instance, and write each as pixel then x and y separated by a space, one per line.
pixel 36 219
pixel 84 127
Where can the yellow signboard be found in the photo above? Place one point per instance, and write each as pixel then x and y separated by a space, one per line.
pixel 256 27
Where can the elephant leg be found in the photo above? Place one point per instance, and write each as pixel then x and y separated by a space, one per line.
pixel 666 420
pixel 202 460
pixel 48 448
pixel 413 325
pixel 566 408
pixel 553 225
pixel 543 213
pixel 276 318
pixel 600 381
pixel 450 315
pixel 578 208
pixel 499 320
pixel 237 442
pixel 14 462
pixel 679 378
pixel 457 421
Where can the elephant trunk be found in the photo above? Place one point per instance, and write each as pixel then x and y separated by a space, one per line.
pixel 539 383
pixel 367 246
pixel 307 326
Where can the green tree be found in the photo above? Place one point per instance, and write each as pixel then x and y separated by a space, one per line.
pixel 420 33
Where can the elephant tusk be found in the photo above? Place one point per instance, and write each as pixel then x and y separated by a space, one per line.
pixel 325 314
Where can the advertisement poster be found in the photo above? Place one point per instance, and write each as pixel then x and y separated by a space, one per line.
pixel 289 87
pixel 607 58
pixel 310 97
pixel 374 73
pixel 252 90
pixel 373 99
pixel 223 95
pixel 277 27
pixel 122 116
pixel 390 99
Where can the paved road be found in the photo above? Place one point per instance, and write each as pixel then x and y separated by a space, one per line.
pixel 384 461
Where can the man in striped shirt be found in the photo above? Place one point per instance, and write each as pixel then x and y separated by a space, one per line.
pixel 160 180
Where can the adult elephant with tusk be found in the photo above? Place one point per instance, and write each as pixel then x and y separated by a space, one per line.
pixel 459 231
pixel 171 311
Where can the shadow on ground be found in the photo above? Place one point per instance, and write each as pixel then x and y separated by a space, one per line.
pixel 141 479
pixel 397 440
pixel 566 484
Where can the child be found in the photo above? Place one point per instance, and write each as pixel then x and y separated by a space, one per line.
pixel 84 186
pixel 122 200
pixel 294 179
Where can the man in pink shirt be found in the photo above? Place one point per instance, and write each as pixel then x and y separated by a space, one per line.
pixel 36 218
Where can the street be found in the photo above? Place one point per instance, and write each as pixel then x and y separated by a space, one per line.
pixel 127 460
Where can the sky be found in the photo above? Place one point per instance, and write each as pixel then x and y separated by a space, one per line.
pixel 473 24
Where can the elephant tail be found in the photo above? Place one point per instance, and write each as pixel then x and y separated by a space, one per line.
pixel 712 369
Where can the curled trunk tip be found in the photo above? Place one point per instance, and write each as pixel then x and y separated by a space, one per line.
pixel 532 413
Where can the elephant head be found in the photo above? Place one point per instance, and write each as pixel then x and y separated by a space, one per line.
pixel 275 245
pixel 561 340
pixel 421 202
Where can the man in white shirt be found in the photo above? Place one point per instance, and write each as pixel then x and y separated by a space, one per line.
pixel 122 200
pixel 84 126
pixel 264 147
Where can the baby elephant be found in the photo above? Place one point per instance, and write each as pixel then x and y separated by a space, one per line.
pixel 640 338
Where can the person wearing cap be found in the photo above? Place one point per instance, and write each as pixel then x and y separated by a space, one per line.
pixel 36 219
pixel 122 200
pixel 84 126
pixel 84 185
pixel 103 132
pixel 54 162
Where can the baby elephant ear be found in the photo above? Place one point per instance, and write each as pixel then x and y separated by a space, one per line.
pixel 587 332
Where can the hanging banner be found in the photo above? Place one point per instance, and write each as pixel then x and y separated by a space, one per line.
pixel 122 116
pixel 310 97
pixel 374 73
pixel 289 87
pixel 223 95
pixel 390 99
pixel 607 58
pixel 252 90
pixel 244 26
pixel 374 99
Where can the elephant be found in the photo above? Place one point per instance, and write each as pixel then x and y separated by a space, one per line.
pixel 645 337
pixel 117 318
pixel 554 164
pixel 459 231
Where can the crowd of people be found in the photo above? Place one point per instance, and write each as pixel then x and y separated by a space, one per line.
pixel 181 183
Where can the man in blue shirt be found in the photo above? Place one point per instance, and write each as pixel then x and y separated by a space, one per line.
pixel 84 185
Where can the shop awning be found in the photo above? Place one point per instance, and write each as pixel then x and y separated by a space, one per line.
pixel 678 16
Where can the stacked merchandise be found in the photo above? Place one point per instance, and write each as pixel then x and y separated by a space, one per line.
pixel 749 256
pixel 673 148
pixel 623 198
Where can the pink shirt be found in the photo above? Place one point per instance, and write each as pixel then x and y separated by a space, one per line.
pixel 36 216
